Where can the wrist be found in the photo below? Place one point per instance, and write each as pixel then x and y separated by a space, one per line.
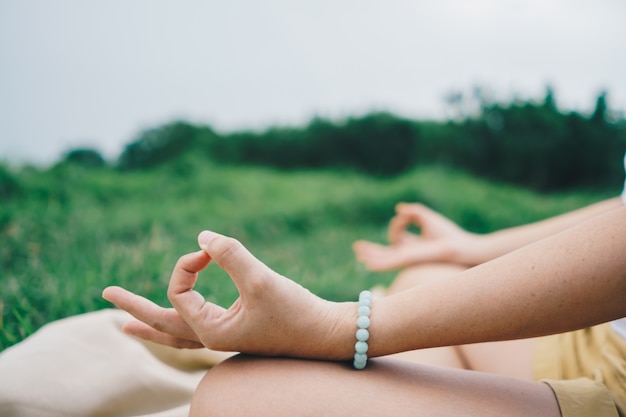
pixel 475 250
pixel 341 333
pixel 331 336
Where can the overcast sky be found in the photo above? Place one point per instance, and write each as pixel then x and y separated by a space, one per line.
pixel 76 73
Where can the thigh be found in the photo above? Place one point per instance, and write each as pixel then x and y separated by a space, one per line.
pixel 512 358
pixel 244 386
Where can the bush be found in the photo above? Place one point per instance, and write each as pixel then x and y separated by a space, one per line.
pixel 9 184
pixel 157 146
pixel 533 145
pixel 88 158
pixel 525 143
pixel 378 144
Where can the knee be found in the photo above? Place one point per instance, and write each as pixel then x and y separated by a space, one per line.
pixel 250 386
pixel 224 388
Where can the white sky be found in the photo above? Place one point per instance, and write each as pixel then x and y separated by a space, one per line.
pixel 83 73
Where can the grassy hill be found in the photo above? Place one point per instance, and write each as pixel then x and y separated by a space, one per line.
pixel 68 232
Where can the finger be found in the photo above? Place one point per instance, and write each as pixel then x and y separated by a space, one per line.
pixel 142 330
pixel 363 249
pixel 404 207
pixel 397 228
pixel 165 320
pixel 417 213
pixel 184 276
pixel 359 248
pixel 190 304
pixel 245 270
pixel 186 270
pixel 376 257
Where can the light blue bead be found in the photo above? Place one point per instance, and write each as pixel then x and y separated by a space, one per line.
pixel 362 335
pixel 359 365
pixel 361 347
pixel 363 322
pixel 360 357
pixel 365 295
pixel 364 311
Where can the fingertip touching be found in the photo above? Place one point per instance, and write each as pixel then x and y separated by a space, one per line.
pixel 401 205
pixel 205 237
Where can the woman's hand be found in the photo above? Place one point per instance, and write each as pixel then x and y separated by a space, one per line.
pixel 441 240
pixel 272 316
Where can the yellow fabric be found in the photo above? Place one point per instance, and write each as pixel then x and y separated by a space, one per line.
pixel 582 397
pixel 582 366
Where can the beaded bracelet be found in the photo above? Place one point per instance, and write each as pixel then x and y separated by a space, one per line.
pixel 362 334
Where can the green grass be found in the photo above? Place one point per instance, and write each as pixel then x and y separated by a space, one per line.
pixel 72 231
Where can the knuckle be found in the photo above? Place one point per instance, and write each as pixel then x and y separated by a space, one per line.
pixel 184 344
pixel 259 284
pixel 157 322
pixel 171 294
pixel 256 285
pixel 183 262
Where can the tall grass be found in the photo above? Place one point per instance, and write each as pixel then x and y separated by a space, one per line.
pixel 72 231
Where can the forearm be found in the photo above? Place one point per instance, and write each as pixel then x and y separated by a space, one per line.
pixel 565 282
pixel 493 245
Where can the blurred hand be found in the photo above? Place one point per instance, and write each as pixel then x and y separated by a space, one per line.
pixel 272 316
pixel 440 240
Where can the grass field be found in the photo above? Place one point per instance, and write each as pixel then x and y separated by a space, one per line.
pixel 72 231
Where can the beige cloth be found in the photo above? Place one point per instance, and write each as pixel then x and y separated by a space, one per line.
pixel 85 366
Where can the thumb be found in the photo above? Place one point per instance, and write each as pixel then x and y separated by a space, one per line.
pixel 243 268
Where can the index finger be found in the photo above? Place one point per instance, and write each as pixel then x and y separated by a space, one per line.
pixel 246 271
pixel 199 314
pixel 180 291
pixel 397 228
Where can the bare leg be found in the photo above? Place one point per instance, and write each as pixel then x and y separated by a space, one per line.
pixel 510 358
pixel 245 386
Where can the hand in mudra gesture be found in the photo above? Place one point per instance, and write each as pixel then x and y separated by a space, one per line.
pixel 273 315
pixel 440 240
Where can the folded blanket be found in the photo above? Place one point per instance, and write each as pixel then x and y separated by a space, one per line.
pixel 85 366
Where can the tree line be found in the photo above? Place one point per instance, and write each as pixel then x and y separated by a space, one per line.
pixel 529 143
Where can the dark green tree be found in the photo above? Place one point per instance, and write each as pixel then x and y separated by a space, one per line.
pixel 89 158
pixel 9 184
pixel 156 146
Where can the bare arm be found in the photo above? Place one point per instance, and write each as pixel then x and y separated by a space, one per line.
pixel 568 281
pixel 498 243
pixel 441 240
pixel 571 280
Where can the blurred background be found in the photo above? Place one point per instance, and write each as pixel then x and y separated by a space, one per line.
pixel 126 127
pixel 77 74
